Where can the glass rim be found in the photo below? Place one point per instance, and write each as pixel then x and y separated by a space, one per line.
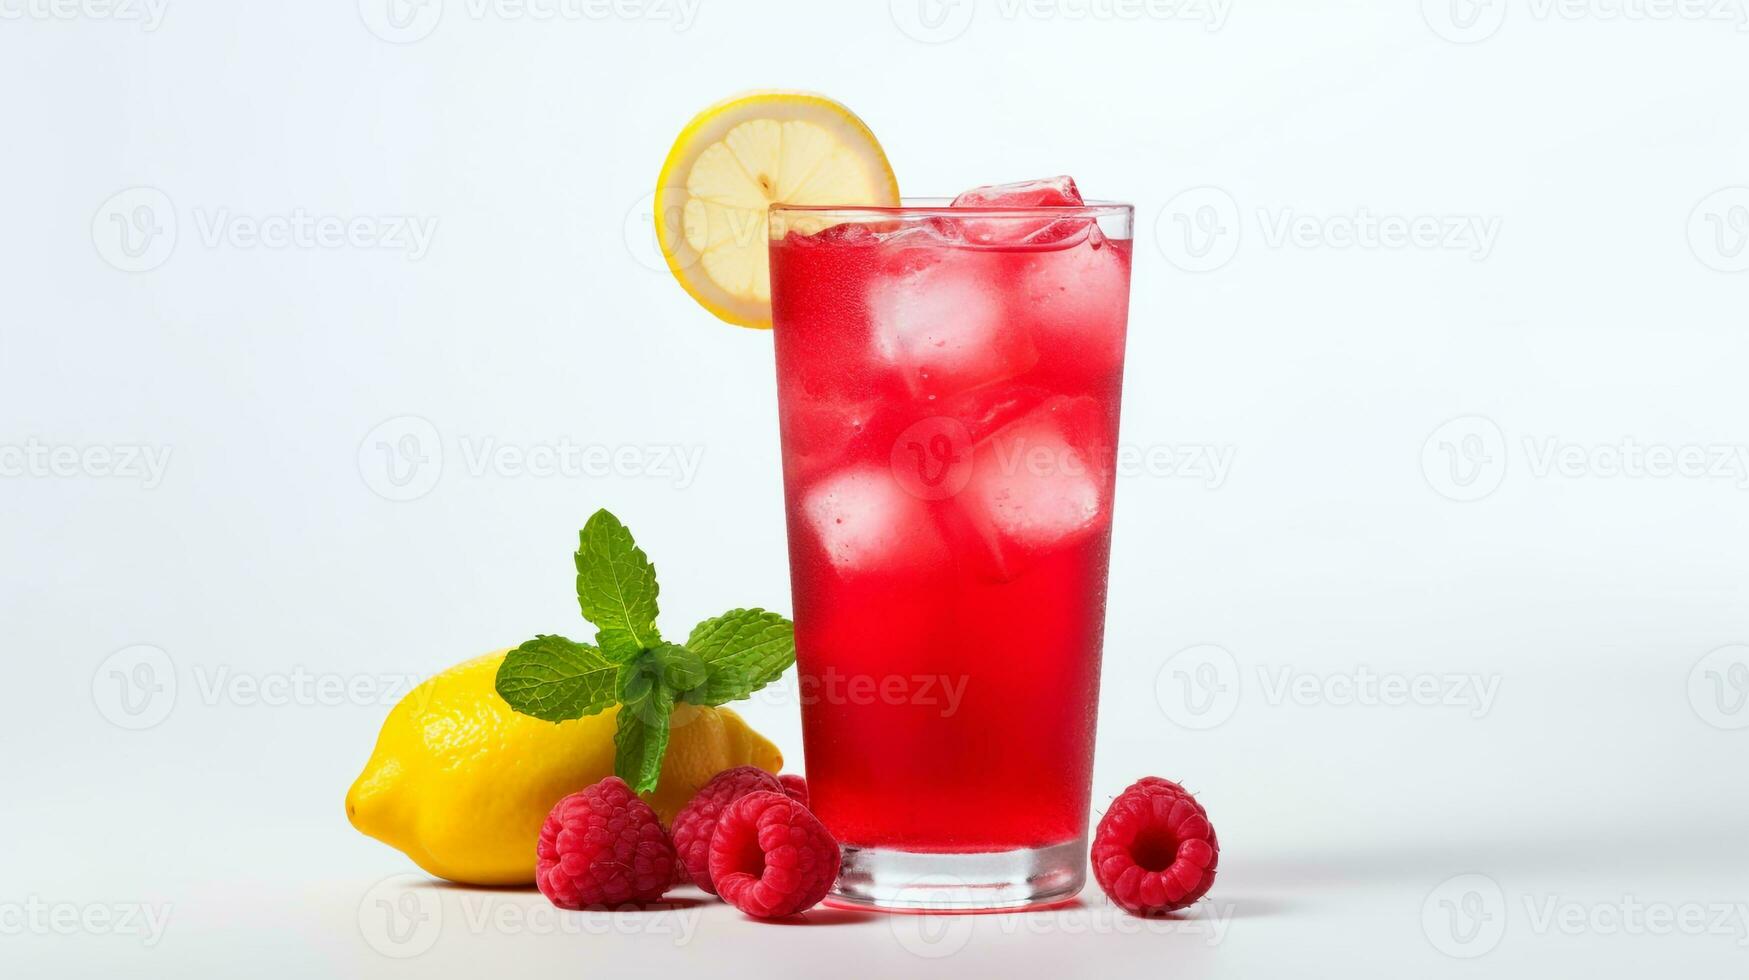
pixel 937 207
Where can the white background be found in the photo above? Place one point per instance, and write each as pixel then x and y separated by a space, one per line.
pixel 1573 543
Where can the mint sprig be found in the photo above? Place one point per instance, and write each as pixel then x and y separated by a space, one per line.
pixel 555 679
pixel 616 586
pixel 744 649
pixel 725 658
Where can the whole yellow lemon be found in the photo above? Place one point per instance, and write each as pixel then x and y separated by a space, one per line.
pixel 461 783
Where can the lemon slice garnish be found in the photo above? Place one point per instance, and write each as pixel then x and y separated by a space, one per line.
pixel 737 158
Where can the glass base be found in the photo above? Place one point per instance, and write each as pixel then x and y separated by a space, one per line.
pixel 914 881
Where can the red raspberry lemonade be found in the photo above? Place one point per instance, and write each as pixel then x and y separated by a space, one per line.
pixel 949 384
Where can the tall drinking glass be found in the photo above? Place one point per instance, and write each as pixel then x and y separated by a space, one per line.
pixel 948 387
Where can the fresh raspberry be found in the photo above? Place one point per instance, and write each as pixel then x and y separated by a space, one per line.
pixel 697 820
pixel 603 847
pixel 794 787
pixel 1155 850
pixel 771 857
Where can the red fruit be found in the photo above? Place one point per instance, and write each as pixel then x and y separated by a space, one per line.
pixel 1155 850
pixel 794 787
pixel 697 820
pixel 603 847
pixel 771 857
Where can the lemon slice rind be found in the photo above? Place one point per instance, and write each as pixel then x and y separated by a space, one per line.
pixel 735 159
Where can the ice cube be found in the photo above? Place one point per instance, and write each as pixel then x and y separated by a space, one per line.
pixel 1041 482
pixel 984 410
pixel 1021 230
pixel 819 431
pixel 939 319
pixel 1049 192
pixel 1075 305
pixel 866 523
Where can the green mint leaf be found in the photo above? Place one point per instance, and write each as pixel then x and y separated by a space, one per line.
pixel 638 677
pixel 619 646
pixel 682 670
pixel 745 649
pixel 616 585
pixel 642 736
pixel 555 679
